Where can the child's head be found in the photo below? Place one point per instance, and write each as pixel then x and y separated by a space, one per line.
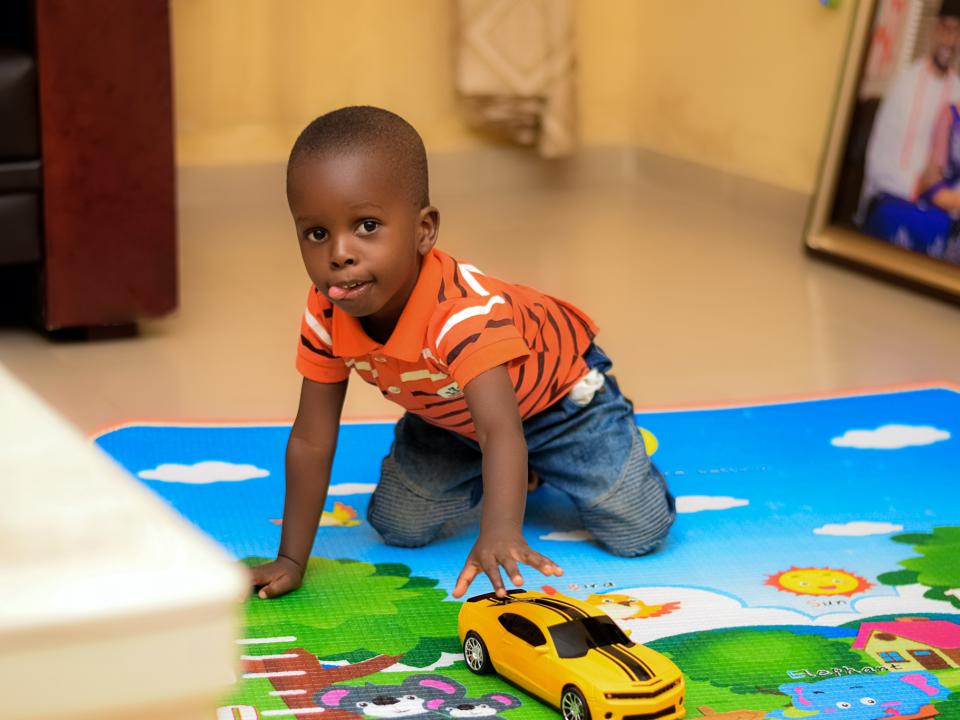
pixel 357 188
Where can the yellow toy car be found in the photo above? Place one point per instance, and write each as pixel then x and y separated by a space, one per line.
pixel 569 654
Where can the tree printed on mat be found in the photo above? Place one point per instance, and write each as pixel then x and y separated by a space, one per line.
pixel 937 567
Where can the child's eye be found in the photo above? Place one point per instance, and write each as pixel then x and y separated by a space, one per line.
pixel 317 234
pixel 368 227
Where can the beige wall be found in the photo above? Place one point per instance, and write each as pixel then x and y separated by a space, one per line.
pixel 740 85
pixel 745 86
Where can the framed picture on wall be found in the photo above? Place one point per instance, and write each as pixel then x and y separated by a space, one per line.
pixel 888 196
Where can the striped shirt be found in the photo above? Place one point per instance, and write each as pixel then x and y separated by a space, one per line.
pixel 457 324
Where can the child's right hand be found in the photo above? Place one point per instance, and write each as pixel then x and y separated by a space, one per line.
pixel 276 578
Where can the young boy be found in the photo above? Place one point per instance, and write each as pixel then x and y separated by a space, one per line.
pixel 497 379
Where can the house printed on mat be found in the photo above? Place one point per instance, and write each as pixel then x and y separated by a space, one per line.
pixel 912 643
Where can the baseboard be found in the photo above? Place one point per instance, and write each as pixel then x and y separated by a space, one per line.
pixel 508 169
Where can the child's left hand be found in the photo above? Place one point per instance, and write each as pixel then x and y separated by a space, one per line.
pixel 489 555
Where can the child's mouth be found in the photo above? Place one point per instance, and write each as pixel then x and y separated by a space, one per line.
pixel 348 290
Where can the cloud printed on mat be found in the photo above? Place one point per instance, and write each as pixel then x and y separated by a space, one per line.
pixel 702 609
pixel 891 437
pixel 201 473
pixel 857 528
pixel 696 503
pixel 352 489
pixel 568 536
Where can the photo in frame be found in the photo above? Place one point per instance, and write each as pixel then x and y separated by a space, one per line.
pixel 888 194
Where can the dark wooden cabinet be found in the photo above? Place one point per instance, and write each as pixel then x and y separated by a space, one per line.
pixel 107 179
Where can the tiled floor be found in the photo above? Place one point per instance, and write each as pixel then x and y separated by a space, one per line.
pixel 700 300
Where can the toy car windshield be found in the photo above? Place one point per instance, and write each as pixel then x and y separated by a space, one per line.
pixel 574 638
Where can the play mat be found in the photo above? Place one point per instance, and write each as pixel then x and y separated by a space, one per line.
pixel 814 568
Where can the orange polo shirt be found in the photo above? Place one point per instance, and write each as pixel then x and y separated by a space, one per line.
pixel 456 324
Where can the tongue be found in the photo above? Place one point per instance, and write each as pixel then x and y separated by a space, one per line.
pixel 337 292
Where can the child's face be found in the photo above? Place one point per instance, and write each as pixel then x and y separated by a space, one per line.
pixel 361 236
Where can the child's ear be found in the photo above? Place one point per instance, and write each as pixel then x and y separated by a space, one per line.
pixel 428 229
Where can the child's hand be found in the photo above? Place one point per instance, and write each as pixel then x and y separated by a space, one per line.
pixel 276 578
pixel 489 555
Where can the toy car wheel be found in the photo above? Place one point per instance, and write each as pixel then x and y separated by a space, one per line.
pixel 475 653
pixel 573 706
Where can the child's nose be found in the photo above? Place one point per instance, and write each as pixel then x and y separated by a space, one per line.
pixel 341 252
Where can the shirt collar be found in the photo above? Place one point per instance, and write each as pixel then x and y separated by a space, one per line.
pixel 406 340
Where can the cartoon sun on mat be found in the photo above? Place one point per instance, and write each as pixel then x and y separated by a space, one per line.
pixel 341 516
pixel 818 581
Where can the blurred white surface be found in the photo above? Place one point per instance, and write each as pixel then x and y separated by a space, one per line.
pixel 113 605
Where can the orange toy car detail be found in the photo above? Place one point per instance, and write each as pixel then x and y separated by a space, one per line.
pixel 571 655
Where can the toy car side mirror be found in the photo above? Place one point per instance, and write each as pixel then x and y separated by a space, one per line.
pixel 542 649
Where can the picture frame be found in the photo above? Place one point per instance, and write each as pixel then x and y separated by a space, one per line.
pixel 835 226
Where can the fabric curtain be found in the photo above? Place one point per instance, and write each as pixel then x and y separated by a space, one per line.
pixel 515 70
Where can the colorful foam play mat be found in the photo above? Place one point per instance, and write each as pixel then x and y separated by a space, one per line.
pixel 813 571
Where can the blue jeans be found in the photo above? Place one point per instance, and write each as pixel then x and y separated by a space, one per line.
pixel 594 454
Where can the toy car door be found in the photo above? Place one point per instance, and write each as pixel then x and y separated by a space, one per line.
pixel 527 654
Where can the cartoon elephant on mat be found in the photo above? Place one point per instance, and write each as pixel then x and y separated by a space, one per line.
pixel 428 697
pixel 864 697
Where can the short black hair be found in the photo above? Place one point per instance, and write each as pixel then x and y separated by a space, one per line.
pixel 372 129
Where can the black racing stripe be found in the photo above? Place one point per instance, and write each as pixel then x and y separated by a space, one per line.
pixel 575 612
pixel 562 612
pixel 310 346
pixel 620 663
pixel 499 323
pixel 456 278
pixel 460 346
pixel 442 295
pixel 569 612
pixel 646 668
pixel 626 661
pixel 630 660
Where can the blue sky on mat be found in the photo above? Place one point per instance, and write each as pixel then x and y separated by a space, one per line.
pixel 779 458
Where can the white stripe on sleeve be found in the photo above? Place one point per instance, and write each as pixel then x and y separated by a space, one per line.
pixel 319 329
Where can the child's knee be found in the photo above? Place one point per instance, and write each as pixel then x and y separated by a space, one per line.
pixel 402 537
pixel 393 530
pixel 634 520
pixel 630 540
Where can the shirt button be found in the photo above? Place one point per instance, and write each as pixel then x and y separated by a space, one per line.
pixel 393 389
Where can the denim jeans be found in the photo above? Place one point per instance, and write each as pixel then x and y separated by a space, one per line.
pixel 593 453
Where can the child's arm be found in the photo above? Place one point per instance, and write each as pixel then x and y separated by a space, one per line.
pixel 493 406
pixel 310 449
